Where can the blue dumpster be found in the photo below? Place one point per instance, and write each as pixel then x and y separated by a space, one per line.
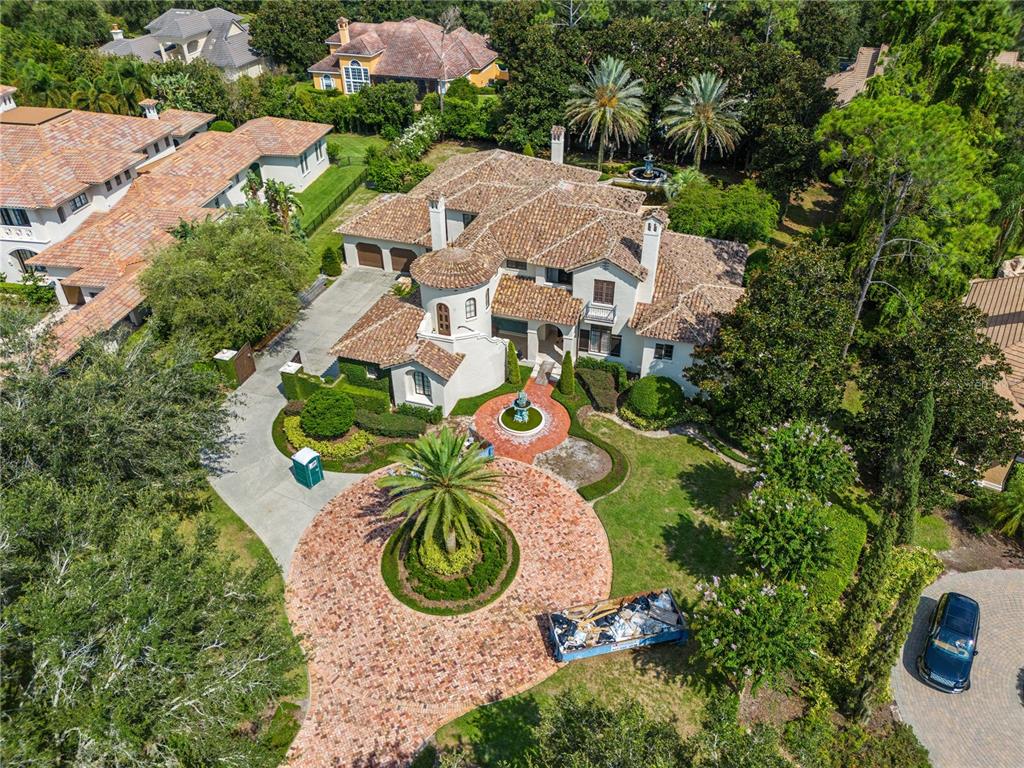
pixel 307 468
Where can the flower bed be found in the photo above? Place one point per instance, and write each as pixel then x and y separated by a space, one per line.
pixel 354 443
pixel 481 582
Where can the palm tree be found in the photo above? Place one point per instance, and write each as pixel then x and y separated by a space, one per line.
pixel 703 114
pixel 443 488
pixel 282 201
pixel 128 81
pixel 1008 507
pixel 40 83
pixel 608 104
pixel 89 97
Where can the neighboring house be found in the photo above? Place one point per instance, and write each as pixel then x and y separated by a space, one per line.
pixel 1010 59
pixel 1002 299
pixel 412 50
pixel 183 34
pixel 506 247
pixel 97 267
pixel 854 79
pixel 59 166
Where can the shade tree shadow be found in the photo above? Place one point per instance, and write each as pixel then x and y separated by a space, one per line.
pixel 507 729
pixel 698 547
pixel 715 487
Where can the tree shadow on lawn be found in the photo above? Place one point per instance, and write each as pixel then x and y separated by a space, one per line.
pixel 700 549
pixel 506 730
pixel 715 488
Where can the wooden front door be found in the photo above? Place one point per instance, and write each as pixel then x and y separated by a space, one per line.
pixel 401 259
pixel 444 321
pixel 369 255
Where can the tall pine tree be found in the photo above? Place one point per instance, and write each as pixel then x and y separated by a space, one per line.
pixel 903 475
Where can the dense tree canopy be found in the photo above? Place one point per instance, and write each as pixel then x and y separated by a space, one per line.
pixel 293 31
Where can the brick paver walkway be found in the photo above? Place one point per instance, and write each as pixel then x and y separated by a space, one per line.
pixel 555 430
pixel 385 677
pixel 984 727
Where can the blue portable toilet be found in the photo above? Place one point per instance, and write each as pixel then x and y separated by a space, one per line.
pixel 307 468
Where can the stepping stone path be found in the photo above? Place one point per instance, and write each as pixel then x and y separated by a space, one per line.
pixel 384 677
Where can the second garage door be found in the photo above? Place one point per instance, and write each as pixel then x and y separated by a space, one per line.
pixel 369 255
pixel 401 259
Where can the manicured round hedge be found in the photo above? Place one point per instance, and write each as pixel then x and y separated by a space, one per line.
pixel 656 397
pixel 328 413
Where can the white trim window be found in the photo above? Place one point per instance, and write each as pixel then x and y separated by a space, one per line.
pixel 327 82
pixel 421 383
pixel 470 309
pixel 356 75
pixel 304 162
pixel 318 151
pixel 79 201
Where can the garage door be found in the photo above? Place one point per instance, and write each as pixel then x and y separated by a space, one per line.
pixel 401 259
pixel 369 255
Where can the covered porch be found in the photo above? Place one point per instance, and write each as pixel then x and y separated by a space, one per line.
pixel 541 321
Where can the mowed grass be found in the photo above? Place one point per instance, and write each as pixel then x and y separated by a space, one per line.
pixel 321 192
pixel 666 528
pixel 932 532
pixel 324 236
pixel 353 144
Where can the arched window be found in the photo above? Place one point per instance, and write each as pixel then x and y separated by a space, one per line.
pixel 357 76
pixel 470 309
pixel 444 320
pixel 327 82
pixel 20 256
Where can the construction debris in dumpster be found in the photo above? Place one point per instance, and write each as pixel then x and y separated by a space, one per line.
pixel 618 620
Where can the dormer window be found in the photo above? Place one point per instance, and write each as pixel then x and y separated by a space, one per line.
pixel 356 75
pixel 79 201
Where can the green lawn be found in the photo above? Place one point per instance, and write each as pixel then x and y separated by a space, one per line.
pixel 324 235
pixel 353 144
pixel 932 532
pixel 321 192
pixel 467 406
pixel 445 149
pixel 236 537
pixel 665 528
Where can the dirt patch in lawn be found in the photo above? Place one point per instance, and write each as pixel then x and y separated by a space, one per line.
pixel 578 462
pixel 970 551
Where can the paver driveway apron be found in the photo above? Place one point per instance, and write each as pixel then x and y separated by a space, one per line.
pixel 255 479
pixel 384 677
pixel 984 726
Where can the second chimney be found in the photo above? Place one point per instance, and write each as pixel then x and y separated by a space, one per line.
pixel 438 223
pixel 149 108
pixel 557 144
pixel 116 33
pixel 343 30
pixel 654 223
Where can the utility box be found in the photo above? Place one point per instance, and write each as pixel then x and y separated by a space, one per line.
pixel 225 362
pixel 290 380
pixel 307 467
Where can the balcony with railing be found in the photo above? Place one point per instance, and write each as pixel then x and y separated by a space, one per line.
pixel 599 313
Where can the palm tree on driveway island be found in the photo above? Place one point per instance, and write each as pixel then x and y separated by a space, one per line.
pixel 609 105
pixel 702 114
pixel 442 488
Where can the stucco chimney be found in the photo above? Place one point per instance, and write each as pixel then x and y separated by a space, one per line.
pixel 343 30
pixel 557 144
pixel 438 223
pixel 654 223
pixel 116 33
pixel 149 108
pixel 7 97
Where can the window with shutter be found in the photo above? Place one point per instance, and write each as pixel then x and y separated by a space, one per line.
pixel 604 292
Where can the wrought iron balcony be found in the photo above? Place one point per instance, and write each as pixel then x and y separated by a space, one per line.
pixel 599 313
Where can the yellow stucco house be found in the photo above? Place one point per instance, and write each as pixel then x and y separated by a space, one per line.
pixel 363 53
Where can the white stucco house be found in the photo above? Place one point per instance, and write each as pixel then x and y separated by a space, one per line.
pixel 504 248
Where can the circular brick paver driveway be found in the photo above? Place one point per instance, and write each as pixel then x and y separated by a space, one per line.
pixel 984 727
pixel 384 677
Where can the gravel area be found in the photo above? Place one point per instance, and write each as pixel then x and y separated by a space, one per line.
pixel 578 462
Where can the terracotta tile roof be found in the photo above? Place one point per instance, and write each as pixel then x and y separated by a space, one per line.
pixel 385 334
pixel 526 300
pixel 412 48
pixel 698 280
pixel 102 313
pixel 454 267
pixel 391 217
pixel 6 90
pixel 1002 299
pixel 210 155
pixel 497 166
pixel 1010 59
pixel 278 136
pixel 51 155
pixel 850 82
pixel 434 358
pixel 183 122
pixel 328 64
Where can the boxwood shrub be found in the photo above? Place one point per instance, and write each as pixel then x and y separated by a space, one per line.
pixel 656 397
pixel 429 415
pixel 328 413
pixel 600 386
pixel 483 575
pixel 364 399
pixel 355 373
pixel 390 424
pixel 617 370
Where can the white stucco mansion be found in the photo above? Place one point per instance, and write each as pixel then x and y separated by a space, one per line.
pixel 506 247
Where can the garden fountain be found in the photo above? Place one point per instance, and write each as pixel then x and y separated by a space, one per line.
pixel 647 173
pixel 521 418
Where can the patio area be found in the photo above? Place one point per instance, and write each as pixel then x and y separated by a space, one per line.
pixel 523 448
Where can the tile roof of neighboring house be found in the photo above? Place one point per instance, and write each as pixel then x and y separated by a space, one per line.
pixel 413 48
pixel 698 280
pixel 101 314
pixel 184 122
pixel 51 155
pixel 278 136
pixel 1010 59
pixel 6 90
pixel 1002 299
pixel 227 44
pixel 526 300
pixel 848 83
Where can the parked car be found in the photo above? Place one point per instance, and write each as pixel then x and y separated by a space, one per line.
pixel 952 644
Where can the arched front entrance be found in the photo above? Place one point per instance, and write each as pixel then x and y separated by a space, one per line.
pixel 551 341
pixel 20 256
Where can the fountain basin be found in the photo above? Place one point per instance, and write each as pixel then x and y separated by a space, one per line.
pixel 647 173
pixel 534 423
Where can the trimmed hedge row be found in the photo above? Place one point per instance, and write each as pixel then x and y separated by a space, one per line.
pixel 390 424
pixel 429 415
pixel 620 466
pixel 600 387
pixel 353 445
pixel 356 374
pixel 617 370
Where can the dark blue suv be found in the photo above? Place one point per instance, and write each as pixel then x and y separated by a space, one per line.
pixel 950 651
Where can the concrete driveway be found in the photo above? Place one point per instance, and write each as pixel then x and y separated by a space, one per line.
pixel 255 479
pixel 984 727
